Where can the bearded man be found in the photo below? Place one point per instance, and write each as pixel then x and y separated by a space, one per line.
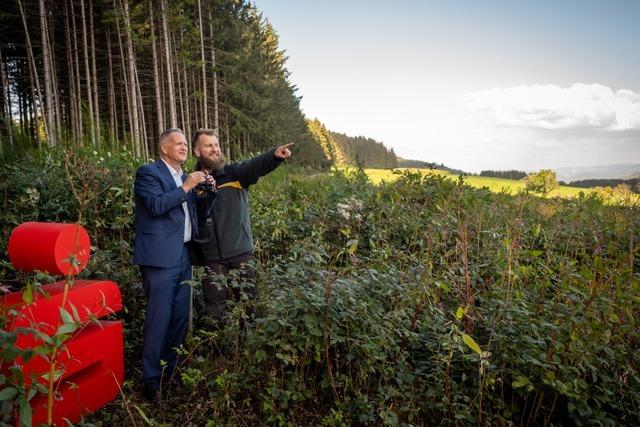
pixel 224 223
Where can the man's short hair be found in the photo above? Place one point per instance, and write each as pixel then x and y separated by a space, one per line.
pixel 165 134
pixel 202 131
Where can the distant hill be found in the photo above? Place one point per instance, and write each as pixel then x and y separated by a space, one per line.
pixel 420 164
pixel 341 149
pixel 508 174
pixel 365 152
pixel 633 183
pixel 616 171
pixel 417 164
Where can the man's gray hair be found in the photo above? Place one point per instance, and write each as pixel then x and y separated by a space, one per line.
pixel 165 134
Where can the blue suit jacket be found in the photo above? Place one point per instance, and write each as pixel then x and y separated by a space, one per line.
pixel 159 216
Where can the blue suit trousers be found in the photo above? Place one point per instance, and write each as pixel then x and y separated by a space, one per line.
pixel 166 319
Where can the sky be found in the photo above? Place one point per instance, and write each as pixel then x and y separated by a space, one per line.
pixel 473 84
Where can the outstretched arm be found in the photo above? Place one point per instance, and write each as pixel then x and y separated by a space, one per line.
pixel 249 171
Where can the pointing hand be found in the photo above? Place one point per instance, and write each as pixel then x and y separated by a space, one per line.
pixel 283 152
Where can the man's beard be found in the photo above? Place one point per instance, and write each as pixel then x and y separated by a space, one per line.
pixel 212 164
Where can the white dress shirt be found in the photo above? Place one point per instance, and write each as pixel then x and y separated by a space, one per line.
pixel 177 177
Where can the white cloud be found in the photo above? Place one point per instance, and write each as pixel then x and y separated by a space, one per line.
pixel 549 107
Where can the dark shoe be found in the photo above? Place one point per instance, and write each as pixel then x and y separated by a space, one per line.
pixel 152 394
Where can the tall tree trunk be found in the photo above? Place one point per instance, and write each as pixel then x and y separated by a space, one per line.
pixel 34 71
pixel 113 123
pixel 6 101
pixel 167 52
pixel 144 151
pixel 156 74
pixel 131 66
pixel 55 87
pixel 205 119
pixel 180 97
pixel 162 68
pixel 46 64
pixel 188 124
pixel 87 74
pixel 216 121
pixel 197 117
pixel 34 99
pixel 178 76
pixel 96 105
pixel 123 66
pixel 21 110
pixel 73 111
pixel 32 111
pixel 227 138
pixel 76 64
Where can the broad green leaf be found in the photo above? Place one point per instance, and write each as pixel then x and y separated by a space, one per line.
pixel 25 414
pixel 352 245
pixel 65 316
pixel 74 310
pixel 44 337
pixel 8 393
pixel 460 313
pixel 310 320
pixel 41 388
pixel 67 328
pixel 27 294
pixel 56 375
pixel 520 382
pixel 472 344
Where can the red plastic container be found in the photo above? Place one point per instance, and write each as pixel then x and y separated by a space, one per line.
pixel 50 247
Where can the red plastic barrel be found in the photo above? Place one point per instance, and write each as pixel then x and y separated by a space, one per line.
pixel 49 247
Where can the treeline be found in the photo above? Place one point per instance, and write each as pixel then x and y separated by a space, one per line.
pixel 341 149
pixel 366 152
pixel 419 164
pixel 508 174
pixel 633 183
pixel 116 73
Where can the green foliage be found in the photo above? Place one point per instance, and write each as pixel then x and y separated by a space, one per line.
pixel 542 182
pixel 621 194
pixel 414 302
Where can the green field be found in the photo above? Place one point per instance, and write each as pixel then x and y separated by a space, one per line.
pixel 497 185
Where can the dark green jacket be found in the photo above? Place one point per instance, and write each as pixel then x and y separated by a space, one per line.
pixel 231 231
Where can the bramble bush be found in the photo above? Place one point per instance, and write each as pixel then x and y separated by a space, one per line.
pixel 418 302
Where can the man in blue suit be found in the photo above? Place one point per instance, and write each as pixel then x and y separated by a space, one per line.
pixel 165 221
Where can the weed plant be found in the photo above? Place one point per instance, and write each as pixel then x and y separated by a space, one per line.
pixel 421 301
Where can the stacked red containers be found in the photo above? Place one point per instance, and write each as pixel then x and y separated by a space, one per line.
pixel 89 365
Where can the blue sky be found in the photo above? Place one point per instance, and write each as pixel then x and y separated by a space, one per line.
pixel 472 84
